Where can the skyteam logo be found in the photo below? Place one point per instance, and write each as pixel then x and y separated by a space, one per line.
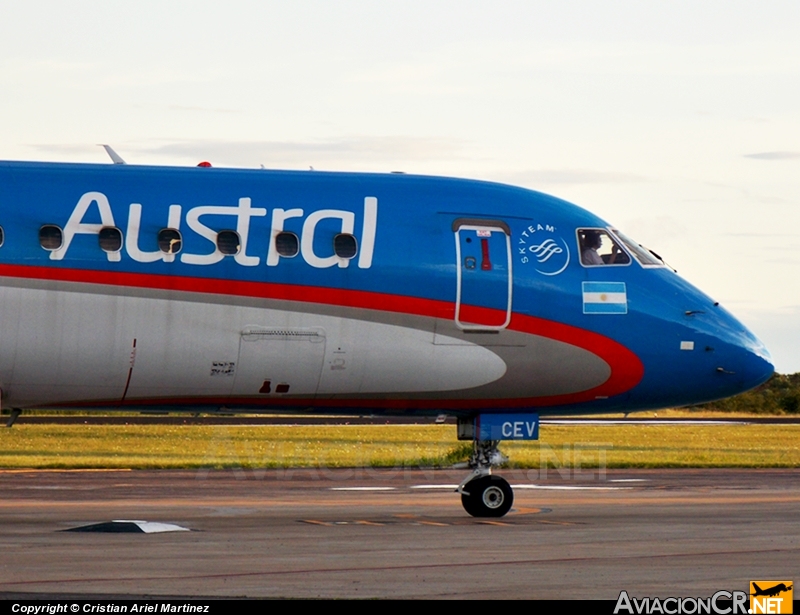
pixel 605 298
pixel 539 244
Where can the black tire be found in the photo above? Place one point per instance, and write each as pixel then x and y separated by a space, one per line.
pixel 489 496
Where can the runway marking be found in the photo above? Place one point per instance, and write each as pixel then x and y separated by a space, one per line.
pixel 363 488
pixel 412 519
pixel 529 486
pixel 528 511
pixel 570 488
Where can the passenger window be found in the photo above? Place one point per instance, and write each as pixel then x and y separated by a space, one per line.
pixel 169 240
pixel 50 237
pixel 287 244
pixel 2 236
pixel 228 242
pixel 110 238
pixel 597 247
pixel 344 245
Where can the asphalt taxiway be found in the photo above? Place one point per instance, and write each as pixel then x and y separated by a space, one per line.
pixel 397 533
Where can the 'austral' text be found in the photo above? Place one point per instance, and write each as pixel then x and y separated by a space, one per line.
pixel 243 213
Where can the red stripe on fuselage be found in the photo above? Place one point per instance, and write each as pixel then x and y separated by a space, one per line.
pixel 626 368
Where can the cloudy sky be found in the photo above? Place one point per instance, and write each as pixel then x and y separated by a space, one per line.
pixel 677 121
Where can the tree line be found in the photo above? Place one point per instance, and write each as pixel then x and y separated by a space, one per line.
pixel 779 395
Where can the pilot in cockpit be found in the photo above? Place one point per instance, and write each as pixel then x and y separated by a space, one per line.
pixel 592 240
pixel 590 243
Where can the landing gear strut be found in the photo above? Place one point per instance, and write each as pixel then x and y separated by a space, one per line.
pixel 15 412
pixel 482 493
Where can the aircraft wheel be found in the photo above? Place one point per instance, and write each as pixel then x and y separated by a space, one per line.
pixel 489 496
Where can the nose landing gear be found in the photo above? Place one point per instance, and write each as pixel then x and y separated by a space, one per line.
pixel 482 493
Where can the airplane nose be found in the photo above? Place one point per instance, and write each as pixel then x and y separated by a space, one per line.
pixel 755 363
pixel 742 360
pixel 709 355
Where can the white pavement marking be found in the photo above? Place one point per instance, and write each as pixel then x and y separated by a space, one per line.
pixel 523 486
pixel 570 488
pixel 528 486
pixel 363 488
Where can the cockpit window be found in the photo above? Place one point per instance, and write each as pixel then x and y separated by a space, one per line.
pixel 599 248
pixel 645 257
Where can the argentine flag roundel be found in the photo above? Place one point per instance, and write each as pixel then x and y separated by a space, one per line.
pixel 605 298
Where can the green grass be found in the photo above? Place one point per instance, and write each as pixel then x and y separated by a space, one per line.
pixel 219 446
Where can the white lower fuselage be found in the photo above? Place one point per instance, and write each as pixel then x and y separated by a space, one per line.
pixel 113 347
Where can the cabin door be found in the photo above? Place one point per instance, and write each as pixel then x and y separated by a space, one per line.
pixel 483 274
pixel 276 361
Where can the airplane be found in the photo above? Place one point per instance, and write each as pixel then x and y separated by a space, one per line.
pixel 128 287
pixel 771 591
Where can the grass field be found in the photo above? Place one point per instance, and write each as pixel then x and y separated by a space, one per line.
pixel 269 446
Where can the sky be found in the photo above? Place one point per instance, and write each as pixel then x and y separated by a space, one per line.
pixel 676 121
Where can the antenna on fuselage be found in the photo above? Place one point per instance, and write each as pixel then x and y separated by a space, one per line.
pixel 115 157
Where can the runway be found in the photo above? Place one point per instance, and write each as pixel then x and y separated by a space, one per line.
pixel 365 533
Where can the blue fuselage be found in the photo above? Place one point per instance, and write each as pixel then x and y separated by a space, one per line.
pixel 495 287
